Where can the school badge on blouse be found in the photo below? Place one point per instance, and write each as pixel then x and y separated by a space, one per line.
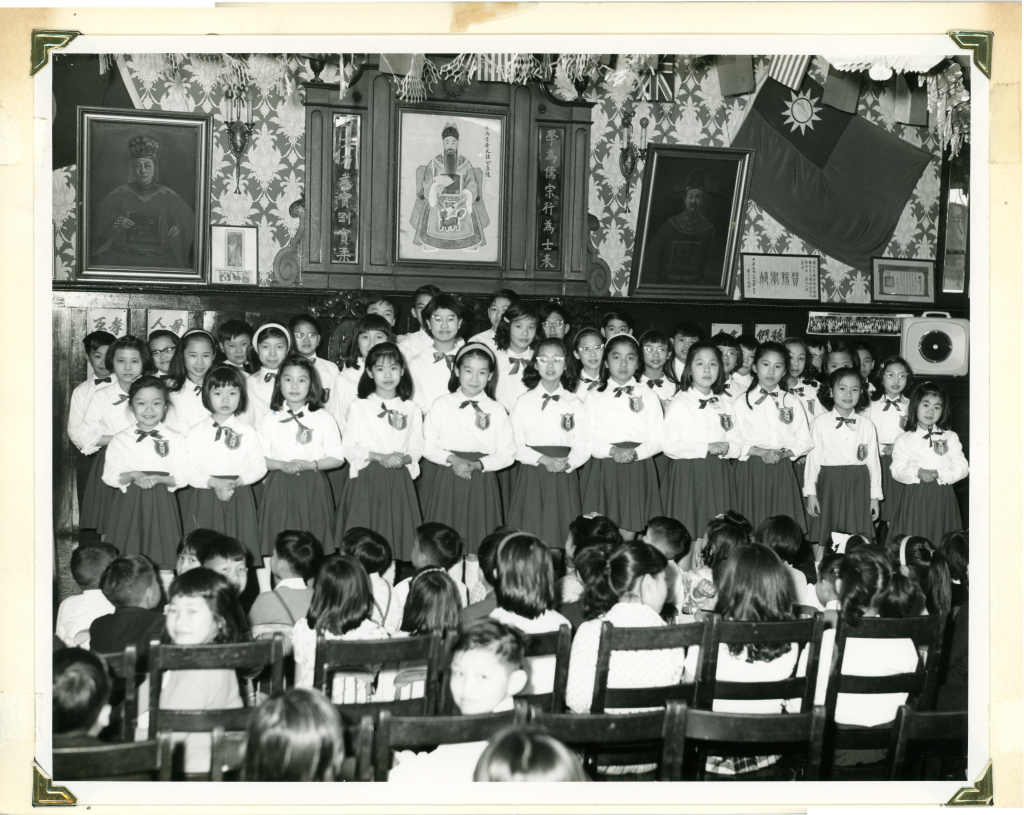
pixel 903 422
pixel 482 420
pixel 786 415
pixel 664 405
pixel 232 440
pixel 636 403
pixel 810 406
pixel 568 421
pixel 940 446
pixel 726 421
pixel 862 452
pixel 397 420
pixel 304 435
pixel 162 447
pixel 326 395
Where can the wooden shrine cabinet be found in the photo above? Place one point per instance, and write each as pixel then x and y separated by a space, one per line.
pixel 385 211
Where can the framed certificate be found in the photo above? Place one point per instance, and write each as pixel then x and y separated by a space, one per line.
pixel 899 280
pixel 781 277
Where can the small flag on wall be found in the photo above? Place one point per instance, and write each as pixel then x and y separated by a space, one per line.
pixel 789 69
pixel 735 74
pixel 842 90
pixel 494 67
pixel 911 102
pixel 657 83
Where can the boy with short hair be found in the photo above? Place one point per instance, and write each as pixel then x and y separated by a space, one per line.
pixel 76 613
pixel 684 334
pixel 374 552
pixel 816 349
pixel 419 340
pixel 131 584
pixel 229 557
pixel 188 550
pixel 81 698
pixel 436 546
pixel 670 537
pixel 482 599
pixel 616 322
pixel 296 560
pixel 824 594
pixel 95 343
pixel 305 330
pixel 742 376
pixel 730 348
pixel 383 308
pixel 488 669
pixel 496 307
pixel 235 339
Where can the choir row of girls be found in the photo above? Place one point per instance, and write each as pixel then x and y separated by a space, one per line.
pixel 251 454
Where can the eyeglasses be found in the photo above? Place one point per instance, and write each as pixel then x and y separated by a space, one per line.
pixel 443 320
pixel 546 360
pixel 163 351
pixel 653 349
pixel 312 335
pixel 896 376
pixel 553 323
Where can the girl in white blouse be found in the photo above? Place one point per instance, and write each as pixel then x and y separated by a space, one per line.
pixel 270 345
pixel 551 433
pixel 192 359
pixel 145 463
pixel 771 429
pixel 626 428
pixel 431 369
pixel 305 331
pixel 468 436
pixel 371 330
pixel 383 446
pixel 300 440
pixel 225 460
pixel 699 482
pixel 928 459
pixel 888 413
pixel 513 339
pixel 843 482
pixel 588 349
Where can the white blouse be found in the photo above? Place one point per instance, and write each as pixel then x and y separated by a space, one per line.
pixel 415 343
pixel 326 370
pixel 889 418
pixel 188 406
pixel 431 371
pixel 162 453
pixel 694 421
pixel 942 452
pixel 453 424
pixel 509 386
pixel 80 398
pixel 663 387
pixel 308 435
pixel 260 388
pixel 625 413
pixel 347 688
pixel 772 423
pixel 541 669
pixel 232 448
pixel 807 392
pixel 838 441
pixel 377 425
pixel 343 394
pixel 352 374
pixel 559 419
pixel 586 386
pixel 107 413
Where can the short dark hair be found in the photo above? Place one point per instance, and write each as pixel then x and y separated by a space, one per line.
pixel 301 551
pixel 220 596
pixel 442 545
pixel 127 579
pixel 81 687
pixel 833 379
pixel 369 548
pixel 342 597
pixel 432 605
pixel 531 376
pixel 728 340
pixel 385 352
pixel 593 530
pixel 95 340
pixel 617 314
pixel 129 343
pixel 782 535
pixel 920 392
pixel 506 294
pixel 526 576
pixel 230 329
pixel 506 642
pixel 88 562
pixel 676 537
pixel 519 310
pixel 223 547
pixel 150 381
pixel 487 554
pixel 429 288
pixel 748 342
pixel 226 376
pixel 162 332
pixel 299 319
pixel 365 325
pixel 623 567
pixel 895 359
pixel 684 328
pixel 686 380
pixel 194 540
pixel 438 302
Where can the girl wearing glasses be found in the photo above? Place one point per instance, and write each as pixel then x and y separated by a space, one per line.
pixel 432 367
pixel 888 412
pixel 551 432
pixel 554 322
pixel 306 332
pixel 161 347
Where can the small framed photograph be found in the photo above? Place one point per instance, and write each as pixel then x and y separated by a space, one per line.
pixel 234 255
pixel 898 280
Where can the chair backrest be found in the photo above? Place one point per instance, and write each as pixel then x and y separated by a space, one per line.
pixel 643 639
pixel 267 630
pixel 423 732
pixel 227 754
pixel 122 666
pixel 558 644
pixel 805 633
pixel 115 761
pixel 767 732
pixel 946 733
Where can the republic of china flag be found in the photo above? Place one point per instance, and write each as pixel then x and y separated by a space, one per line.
pixel 836 180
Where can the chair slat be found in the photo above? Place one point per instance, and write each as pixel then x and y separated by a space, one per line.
pixel 227 753
pixel 202 721
pixel 123 666
pixel 112 761
pixel 945 732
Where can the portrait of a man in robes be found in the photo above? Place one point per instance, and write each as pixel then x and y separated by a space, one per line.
pixel 683 248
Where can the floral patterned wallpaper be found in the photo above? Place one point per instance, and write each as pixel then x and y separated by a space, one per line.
pixel 272 172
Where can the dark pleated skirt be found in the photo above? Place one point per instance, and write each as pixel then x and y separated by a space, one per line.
pixel 626 493
pixel 544 504
pixel 764 490
pixel 506 484
pixel 98 497
pixel 695 490
pixel 300 502
pixel 235 518
pixel 891 489
pixel 800 467
pixel 382 500
pixel 661 466
pixel 472 508
pixel 145 522
pixel 338 480
pixel 929 510
pixel 844 497
pixel 184 498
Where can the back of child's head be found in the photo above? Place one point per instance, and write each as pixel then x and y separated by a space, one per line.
pixel 369 548
pixel 869 585
pixel 233 329
pixel 669 537
pixel 828 573
pixel 589 531
pixel 89 561
pixel 301 551
pixel 922 560
pixel 220 546
pixel 722 535
pixel 342 597
pixel 439 544
pixel 754 587
pixel 385 353
pixel 955 546
pixel 487 554
pixel 782 535
pixel 81 687
pixel 525 753
pixel 685 328
pixel 295 736
pixel 433 604
pixel 924 391
pixel 526 576
pixel 220 596
pixel 506 642
pixel 95 340
pixel 624 566
pixel 129 581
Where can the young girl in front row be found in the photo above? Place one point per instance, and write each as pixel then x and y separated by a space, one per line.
pixel 843 482
pixel 588 348
pixel 192 359
pixel 300 440
pixel 468 436
pixel 888 413
pixel 771 428
pixel 225 459
pixel 626 427
pixel 928 459
pixel 699 481
pixel 551 434
pixel 145 463
pixel 270 345
pixel 383 447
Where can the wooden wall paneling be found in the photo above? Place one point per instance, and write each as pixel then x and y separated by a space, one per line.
pixel 577 197
pixel 68 367
pixel 381 181
pixel 137 321
pixel 317 204
pixel 520 192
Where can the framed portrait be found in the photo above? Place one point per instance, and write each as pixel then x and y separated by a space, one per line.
pixel 234 255
pixel 450 187
pixel 144 195
pixel 692 208
pixel 899 280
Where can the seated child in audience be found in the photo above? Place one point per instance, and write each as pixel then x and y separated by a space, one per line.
pixel 230 557
pixel 374 552
pixel 296 736
pixel 919 559
pixel 131 584
pixel 782 535
pixel 438 546
pixel 234 339
pixel 188 549
pixel 81 692
pixel 587 530
pixel 488 669
pixel 670 537
pixel 524 753
pixel 341 609
pixel 824 594
pixel 296 560
pixel 482 599
pixel 698 591
pixel 955 548
pixel 76 613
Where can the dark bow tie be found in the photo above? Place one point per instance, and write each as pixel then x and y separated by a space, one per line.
pixel 705 402
pixel 935 431
pixel 473 402
pixel 228 434
pixel 591 383
pixel 101 380
pixel 448 358
pixel 268 376
pixel 655 383
pixel 124 398
pixel 889 403
pixel 198 389
pixel 293 416
pixel 628 389
pixel 390 416
pixel 765 394
pixel 549 398
pixel 517 363
pixel 144 433
pixel 798 390
pixel 840 421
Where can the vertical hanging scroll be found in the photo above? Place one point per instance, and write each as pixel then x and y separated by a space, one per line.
pixel 345 189
pixel 550 176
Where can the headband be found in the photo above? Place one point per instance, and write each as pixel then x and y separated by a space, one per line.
pixel 262 328
pixel 616 337
pixel 427 570
pixel 198 331
pixel 475 346
pixel 903 550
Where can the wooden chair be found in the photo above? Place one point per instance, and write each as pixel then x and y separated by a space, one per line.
pixel 557 644
pixel 946 734
pixel 723 733
pixel 227 754
pixel 630 738
pixel 145 759
pixel 643 639
pixel 123 666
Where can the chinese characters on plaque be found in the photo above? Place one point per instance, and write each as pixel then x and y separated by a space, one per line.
pixel 780 277
pixel 345 192
pixel 770 332
pixel 549 199
pixel 112 320
pixel 168 319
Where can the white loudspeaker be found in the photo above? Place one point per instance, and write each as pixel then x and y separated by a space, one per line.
pixel 936 344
